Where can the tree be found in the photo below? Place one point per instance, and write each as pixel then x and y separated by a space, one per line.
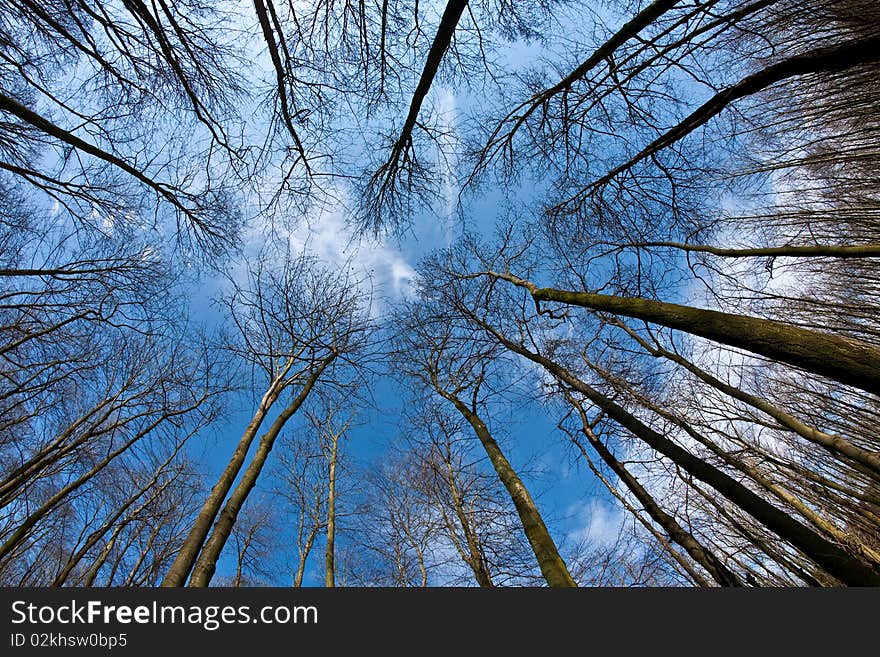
pixel 395 529
pixel 138 66
pixel 302 484
pixel 298 327
pixel 254 542
pixel 441 357
pixel 148 404
pixel 719 572
pixel 474 511
pixel 331 423
pixel 724 192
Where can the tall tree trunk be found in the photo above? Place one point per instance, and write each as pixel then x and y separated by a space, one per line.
pixel 204 568
pixel 22 530
pixel 242 555
pixel 836 445
pixel 776 555
pixel 445 31
pixel 474 557
pixel 305 548
pixel 552 565
pixel 329 554
pixel 816 519
pixel 120 555
pixel 102 557
pixel 98 534
pixel 719 572
pixel 192 545
pixel 842 251
pixel 303 557
pixel 847 360
pixel 57 448
pixel 828 59
pixel 687 565
pixel 130 581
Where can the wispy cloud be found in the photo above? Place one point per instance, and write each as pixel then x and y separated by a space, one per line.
pixel 446 108
pixel 600 522
pixel 327 235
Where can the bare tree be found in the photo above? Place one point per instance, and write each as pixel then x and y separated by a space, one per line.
pixel 443 356
pixel 139 65
pixel 300 474
pixel 688 288
pixel 255 542
pixel 474 511
pixel 395 530
pixel 481 303
pixel 299 326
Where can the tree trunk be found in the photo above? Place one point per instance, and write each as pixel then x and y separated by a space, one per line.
pixel 552 565
pixel 57 449
pixel 96 536
pixel 719 572
pixel 445 31
pixel 831 530
pixel 22 530
pixel 103 556
pixel 329 554
pixel 206 564
pixel 835 444
pixel 189 551
pixel 828 59
pixel 847 360
pixel 840 251
pixel 688 566
pixel 474 555
pixel 130 581
pixel 304 555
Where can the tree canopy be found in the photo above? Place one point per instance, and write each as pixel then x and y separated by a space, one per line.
pixel 428 287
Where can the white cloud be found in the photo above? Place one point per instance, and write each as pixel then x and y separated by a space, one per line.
pixel 446 108
pixel 327 235
pixel 332 241
pixel 600 523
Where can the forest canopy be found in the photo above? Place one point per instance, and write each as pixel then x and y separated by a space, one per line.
pixel 488 293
